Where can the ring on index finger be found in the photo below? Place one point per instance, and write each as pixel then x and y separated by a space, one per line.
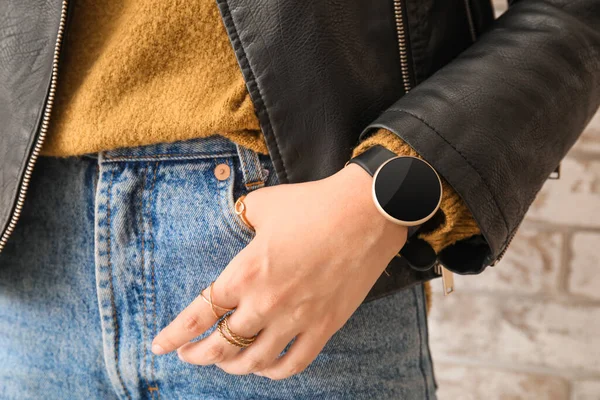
pixel 213 306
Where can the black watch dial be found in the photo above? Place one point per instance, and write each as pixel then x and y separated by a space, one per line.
pixel 407 189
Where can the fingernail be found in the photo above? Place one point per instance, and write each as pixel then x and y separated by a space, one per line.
pixel 180 356
pixel 157 349
pixel 258 373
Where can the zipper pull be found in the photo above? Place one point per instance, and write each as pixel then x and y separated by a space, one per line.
pixel 447 278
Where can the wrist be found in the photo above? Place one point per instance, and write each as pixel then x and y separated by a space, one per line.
pixel 355 183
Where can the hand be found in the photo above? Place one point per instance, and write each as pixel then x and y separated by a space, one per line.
pixel 319 248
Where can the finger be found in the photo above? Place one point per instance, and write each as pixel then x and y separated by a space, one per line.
pixel 215 348
pixel 302 352
pixel 261 354
pixel 198 316
pixel 195 319
pixel 252 203
pixel 210 350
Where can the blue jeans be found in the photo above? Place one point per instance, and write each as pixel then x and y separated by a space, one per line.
pixel 110 248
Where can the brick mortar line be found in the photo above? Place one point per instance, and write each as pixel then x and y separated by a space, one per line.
pixel 564 300
pixel 566 373
pixel 564 269
pixel 549 226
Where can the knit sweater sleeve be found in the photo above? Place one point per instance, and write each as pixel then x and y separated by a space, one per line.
pixel 458 222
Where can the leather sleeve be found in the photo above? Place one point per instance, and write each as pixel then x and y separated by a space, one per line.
pixel 457 223
pixel 497 120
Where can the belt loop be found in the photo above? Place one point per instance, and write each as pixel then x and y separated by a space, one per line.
pixel 252 170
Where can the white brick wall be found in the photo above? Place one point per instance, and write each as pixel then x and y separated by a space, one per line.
pixel 584 272
pixel 529 328
pixel 490 383
pixel 586 391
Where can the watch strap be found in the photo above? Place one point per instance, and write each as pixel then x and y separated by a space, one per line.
pixel 412 230
pixel 372 158
pixel 417 252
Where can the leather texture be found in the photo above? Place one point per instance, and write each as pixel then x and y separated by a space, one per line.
pixel 497 103
pixel 494 108
pixel 497 120
pixel 28 31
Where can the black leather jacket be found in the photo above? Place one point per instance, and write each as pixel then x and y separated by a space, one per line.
pixel 492 105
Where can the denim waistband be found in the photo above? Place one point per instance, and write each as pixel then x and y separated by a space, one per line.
pixel 211 147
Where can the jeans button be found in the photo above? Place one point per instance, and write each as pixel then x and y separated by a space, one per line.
pixel 222 172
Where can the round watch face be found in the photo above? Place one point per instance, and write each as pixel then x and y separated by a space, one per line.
pixel 407 190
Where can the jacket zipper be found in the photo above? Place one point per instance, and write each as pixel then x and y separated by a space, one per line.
pixel 43 130
pixel 401 33
pixel 554 175
pixel 446 274
pixel 510 239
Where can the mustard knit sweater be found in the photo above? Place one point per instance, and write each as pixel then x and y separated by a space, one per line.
pixel 140 72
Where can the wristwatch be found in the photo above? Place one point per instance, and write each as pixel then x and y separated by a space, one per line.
pixel 407 191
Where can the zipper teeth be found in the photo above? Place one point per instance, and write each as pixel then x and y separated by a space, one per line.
pixel 401 32
pixel 400 29
pixel 43 130
pixel 497 260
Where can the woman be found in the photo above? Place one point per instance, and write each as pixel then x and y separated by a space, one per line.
pixel 159 254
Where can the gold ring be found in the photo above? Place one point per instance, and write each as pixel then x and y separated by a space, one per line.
pixel 235 336
pixel 231 337
pixel 240 210
pixel 212 305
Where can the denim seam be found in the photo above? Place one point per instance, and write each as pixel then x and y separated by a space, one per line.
pixel 112 290
pixel 179 156
pixel 251 167
pixel 420 328
pixel 258 167
pixel 244 164
pixel 254 185
pixel 96 176
pixel 143 268
pixel 153 279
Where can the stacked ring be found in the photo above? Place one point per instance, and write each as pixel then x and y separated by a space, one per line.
pixel 223 325
pixel 240 210
pixel 231 337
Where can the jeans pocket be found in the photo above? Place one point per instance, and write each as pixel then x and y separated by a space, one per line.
pixel 230 190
